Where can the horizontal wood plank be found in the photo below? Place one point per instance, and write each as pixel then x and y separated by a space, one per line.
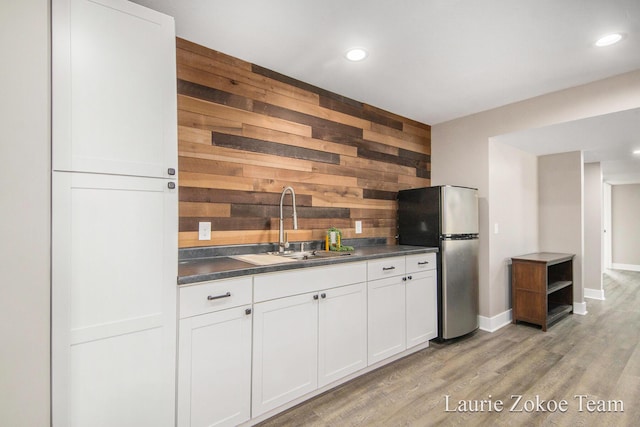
pixel 297 140
pixel 191 134
pixel 194 164
pixel 197 209
pixel 233 114
pixel 189 149
pixel 273 148
pixel 299 177
pixel 210 195
pixel 208 124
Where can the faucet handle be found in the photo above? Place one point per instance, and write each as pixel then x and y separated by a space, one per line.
pixel 285 244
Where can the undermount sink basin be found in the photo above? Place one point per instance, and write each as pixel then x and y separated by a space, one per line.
pixel 309 254
pixel 269 258
pixel 287 256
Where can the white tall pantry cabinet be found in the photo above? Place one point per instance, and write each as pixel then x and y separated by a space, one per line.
pixel 115 215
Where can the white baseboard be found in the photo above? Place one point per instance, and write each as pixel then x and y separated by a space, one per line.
pixel 629 267
pixel 594 293
pixel 580 308
pixel 492 324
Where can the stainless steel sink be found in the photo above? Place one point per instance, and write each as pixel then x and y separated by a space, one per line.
pixel 269 258
pixel 304 255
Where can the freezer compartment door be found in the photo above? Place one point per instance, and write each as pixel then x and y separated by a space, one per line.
pixel 419 216
pixel 459 290
pixel 459 210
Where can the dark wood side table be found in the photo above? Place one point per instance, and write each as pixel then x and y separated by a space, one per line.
pixel 542 287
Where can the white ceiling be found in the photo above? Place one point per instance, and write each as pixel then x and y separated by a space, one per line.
pixel 609 139
pixel 429 60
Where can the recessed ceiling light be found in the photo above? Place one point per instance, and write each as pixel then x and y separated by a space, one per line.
pixel 356 54
pixel 636 152
pixel 609 39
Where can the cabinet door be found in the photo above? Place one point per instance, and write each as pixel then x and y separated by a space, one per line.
pixel 114 270
pixel 421 307
pixel 285 351
pixel 114 88
pixel 342 347
pixel 386 318
pixel 214 369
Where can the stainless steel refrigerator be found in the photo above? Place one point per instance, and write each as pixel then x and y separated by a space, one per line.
pixel 446 217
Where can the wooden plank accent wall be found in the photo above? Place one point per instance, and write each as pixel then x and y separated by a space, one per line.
pixel 246 132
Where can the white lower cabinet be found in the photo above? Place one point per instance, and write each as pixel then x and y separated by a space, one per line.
pixel 421 307
pixel 422 298
pixel 214 360
pixel 285 350
pixel 307 329
pixel 307 341
pixel 402 304
pixel 342 329
pixel 215 368
pixel 386 320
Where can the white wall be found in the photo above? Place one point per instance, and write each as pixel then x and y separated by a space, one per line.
pixel 606 213
pixel 513 216
pixel 625 208
pixel 593 226
pixel 460 154
pixel 560 214
pixel 25 206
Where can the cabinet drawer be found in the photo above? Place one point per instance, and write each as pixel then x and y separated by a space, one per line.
pixel 213 296
pixel 421 262
pixel 282 284
pixel 385 267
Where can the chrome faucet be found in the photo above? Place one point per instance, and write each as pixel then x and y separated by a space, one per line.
pixel 282 241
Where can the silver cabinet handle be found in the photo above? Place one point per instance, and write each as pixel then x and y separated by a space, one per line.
pixel 212 297
pixel 388 268
pixel 423 262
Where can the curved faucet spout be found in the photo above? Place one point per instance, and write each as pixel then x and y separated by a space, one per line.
pixel 282 242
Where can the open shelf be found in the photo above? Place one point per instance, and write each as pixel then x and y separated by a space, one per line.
pixel 542 287
pixel 557 311
pixel 556 286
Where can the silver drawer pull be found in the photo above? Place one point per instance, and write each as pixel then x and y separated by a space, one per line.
pixel 423 262
pixel 388 268
pixel 212 297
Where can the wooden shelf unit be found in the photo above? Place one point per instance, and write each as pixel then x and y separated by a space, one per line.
pixel 542 287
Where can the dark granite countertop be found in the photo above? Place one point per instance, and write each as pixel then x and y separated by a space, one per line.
pixel 223 267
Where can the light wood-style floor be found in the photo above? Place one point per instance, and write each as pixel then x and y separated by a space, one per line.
pixel 597 355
